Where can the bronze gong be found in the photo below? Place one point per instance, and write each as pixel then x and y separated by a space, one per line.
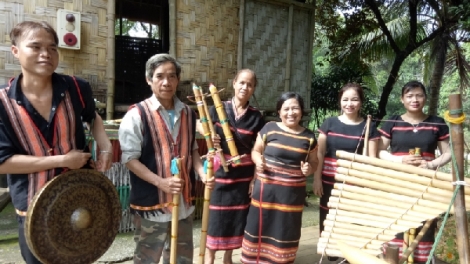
pixel 74 218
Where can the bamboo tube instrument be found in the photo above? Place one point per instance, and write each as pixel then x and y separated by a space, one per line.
pixel 175 168
pixel 365 151
pixel 205 211
pixel 224 122
pixel 210 124
pixel 379 199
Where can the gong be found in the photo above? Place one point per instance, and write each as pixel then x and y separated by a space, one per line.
pixel 74 218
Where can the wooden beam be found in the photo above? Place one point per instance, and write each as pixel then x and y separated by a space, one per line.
pixel 241 33
pixel 287 76
pixel 110 74
pixel 172 11
pixel 310 54
pixel 456 131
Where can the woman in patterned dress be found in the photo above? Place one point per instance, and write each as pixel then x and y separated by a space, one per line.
pixel 230 197
pixel 415 129
pixel 345 132
pixel 283 162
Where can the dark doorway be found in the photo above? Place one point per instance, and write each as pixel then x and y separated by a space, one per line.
pixel 142 30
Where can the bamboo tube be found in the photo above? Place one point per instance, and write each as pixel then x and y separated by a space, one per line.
pixel 203 118
pixel 335 201
pixel 225 124
pixel 110 58
pixel 411 237
pixel 391 196
pixel 309 147
pixel 362 228
pixel 375 218
pixel 429 208
pixel 174 219
pixel 357 256
pixel 395 166
pixel 415 242
pixel 333 250
pixel 359 234
pixel 456 132
pixel 369 244
pixel 220 153
pixel 345 164
pixel 396 227
pixel 364 210
pixel 393 189
pixel 205 212
pixel 365 151
pixel 406 236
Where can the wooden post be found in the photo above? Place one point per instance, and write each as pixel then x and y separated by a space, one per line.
pixel 110 54
pixel 456 131
pixel 172 27
pixel 290 34
pixel 241 33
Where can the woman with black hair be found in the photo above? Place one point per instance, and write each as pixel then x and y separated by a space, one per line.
pixel 345 132
pixel 283 161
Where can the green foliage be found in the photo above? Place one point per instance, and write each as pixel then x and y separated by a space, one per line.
pixel 135 29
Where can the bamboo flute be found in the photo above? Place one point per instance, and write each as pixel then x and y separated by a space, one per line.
pixel 205 211
pixel 224 122
pixel 213 133
pixel 203 119
pixel 365 151
pixel 174 218
pixel 456 130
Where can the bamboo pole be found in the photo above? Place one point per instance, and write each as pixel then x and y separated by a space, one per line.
pixel 172 26
pixel 409 251
pixel 110 74
pixel 456 130
pixel 329 224
pixel 310 50
pixel 241 35
pixel 205 211
pixel 365 151
pixel 219 151
pixel 174 219
pixel 359 234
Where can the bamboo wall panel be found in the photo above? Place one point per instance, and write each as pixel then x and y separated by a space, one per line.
pixel 89 62
pixel 206 43
pixel 265 44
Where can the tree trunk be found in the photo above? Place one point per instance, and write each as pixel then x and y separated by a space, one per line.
pixel 442 47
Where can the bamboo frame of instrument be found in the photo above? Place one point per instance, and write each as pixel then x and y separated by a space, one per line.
pixel 351 166
pixel 213 133
pixel 205 212
pixel 174 220
pixel 395 166
pixel 219 107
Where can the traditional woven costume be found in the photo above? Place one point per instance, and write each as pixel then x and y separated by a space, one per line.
pixel 274 220
pixel 230 200
pixel 154 136
pixel 403 137
pixel 24 131
pixel 339 136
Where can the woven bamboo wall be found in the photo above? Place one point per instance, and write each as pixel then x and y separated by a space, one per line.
pixel 265 43
pixel 206 43
pixel 89 62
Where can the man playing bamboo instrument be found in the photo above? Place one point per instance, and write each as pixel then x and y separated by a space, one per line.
pixel 152 133
pixel 41 129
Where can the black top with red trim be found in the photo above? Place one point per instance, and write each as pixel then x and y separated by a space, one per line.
pixel 402 138
pixel 341 136
pixel 83 104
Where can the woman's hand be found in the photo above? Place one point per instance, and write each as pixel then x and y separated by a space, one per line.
pixel 306 168
pixel 412 160
pixel 317 186
pixel 260 165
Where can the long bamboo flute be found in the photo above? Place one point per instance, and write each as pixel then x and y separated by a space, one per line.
pixel 213 133
pixel 205 212
pixel 174 218
pixel 224 122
